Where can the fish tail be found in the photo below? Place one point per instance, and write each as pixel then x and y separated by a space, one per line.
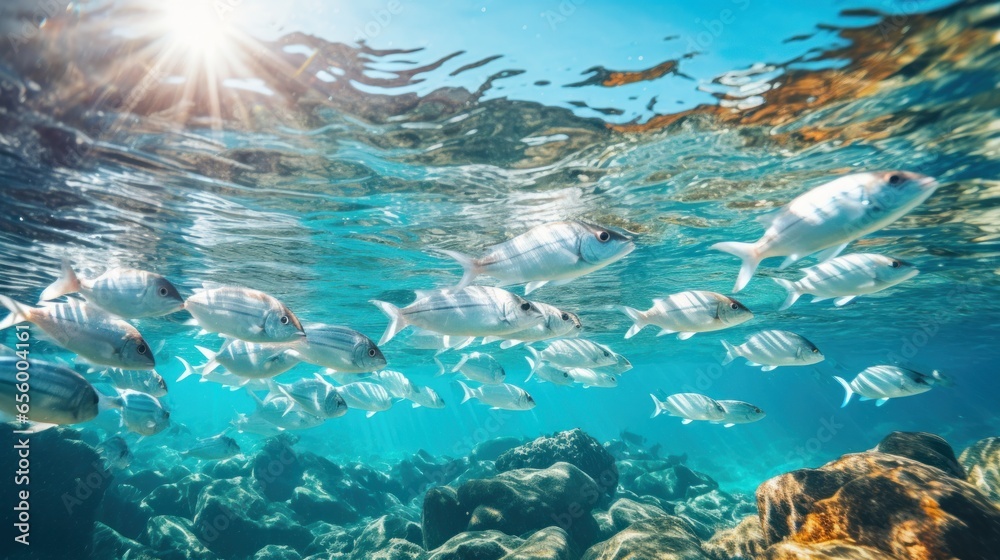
pixel 458 366
pixel 211 364
pixel 638 320
pixel 747 252
pixel 531 364
pixel 188 370
pixel 658 408
pixel 847 389
pixel 109 402
pixel 469 267
pixel 66 284
pixel 731 352
pixel 536 358
pixel 467 393
pixel 793 293
pixel 509 344
pixel 19 313
pixel 440 365
pixel 396 320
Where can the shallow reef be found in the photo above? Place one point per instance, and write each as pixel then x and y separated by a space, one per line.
pixel 560 497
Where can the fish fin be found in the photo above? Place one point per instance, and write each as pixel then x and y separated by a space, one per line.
pixel 491 339
pixel 685 335
pixel 536 358
pixel 396 320
pixel 370 413
pixel 192 322
pixel 531 364
pixel 657 410
pixel 747 252
pixel 665 332
pixel 109 402
pixel 638 320
pixel 206 352
pixel 463 342
pixel 202 332
pixel 188 370
pixel 793 293
pixel 36 427
pixel 729 425
pixel 66 284
pixel 19 312
pixel 862 399
pixel 731 352
pixel 847 389
pixel 421 294
pixel 818 299
pixel 880 402
pixel 415 405
pixel 754 364
pixel 458 366
pixel 256 329
pixel 767 368
pixel 467 393
pixel 532 286
pixel 510 344
pixel 840 302
pixel 686 421
pixel 469 267
pixel 789 261
pixel 830 252
pixel 441 369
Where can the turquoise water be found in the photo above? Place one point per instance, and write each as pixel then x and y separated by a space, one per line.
pixel 284 156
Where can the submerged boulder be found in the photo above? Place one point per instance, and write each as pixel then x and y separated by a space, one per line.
pixel 276 468
pixel 172 538
pixel 929 449
pixel 443 516
pixel 476 545
pixel 574 447
pixel 492 449
pixel 662 538
pixel 383 533
pixel 551 543
pixel 982 462
pixel 624 512
pixel 745 540
pixel 827 550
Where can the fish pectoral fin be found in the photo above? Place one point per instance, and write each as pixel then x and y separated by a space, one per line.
pixel 256 329
pixel 415 405
pixel 729 425
pixel 685 335
pixel 818 299
pixel 864 398
pixel 789 261
pixel 880 402
pixel 827 254
pixel 753 364
pixel 686 421
pixel 370 413
pixel 532 286
pixel 664 332
pixel 840 302
pixel 767 368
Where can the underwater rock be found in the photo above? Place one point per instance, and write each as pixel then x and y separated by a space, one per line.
pixel 109 545
pixel 415 474
pixel 828 550
pixel 982 462
pixel 172 538
pixel 673 483
pixel 332 541
pixel 315 505
pixel 491 449
pixel 68 480
pixel 177 499
pixel 662 538
pixel 745 540
pixel 929 449
pixel 277 552
pixel 123 511
pixel 382 532
pixel 230 467
pixel 625 512
pixel 900 506
pixel 476 545
pixel 551 543
pixel 715 510
pixel 443 516
pixel 277 469
pixel 146 481
pixel 572 446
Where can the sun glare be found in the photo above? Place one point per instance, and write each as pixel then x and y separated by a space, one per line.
pixel 196 31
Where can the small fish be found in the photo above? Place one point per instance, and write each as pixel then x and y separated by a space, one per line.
pixel 504 396
pixel 770 349
pixel 739 412
pixel 881 383
pixel 398 386
pixel 253 360
pixel 425 396
pixel 245 314
pixel 339 349
pixel 58 395
pixel 213 448
pixel 145 381
pixel 690 407
pixel 576 352
pixel 366 395
pixel 115 453
pixel 480 367
pixel 284 413
pixel 254 424
pixel 427 340
pixel 127 293
pixel 143 414
pixel 545 372
pixel 555 253
pixel 847 277
pixel 621 365
pixel 824 220
pixel 224 378
pixel 316 396
pixel 93 334
pixel 591 378
pixel 472 311
pixel 557 324
pixel 688 313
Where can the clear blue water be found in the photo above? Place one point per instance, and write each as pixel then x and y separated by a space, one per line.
pixel 323 177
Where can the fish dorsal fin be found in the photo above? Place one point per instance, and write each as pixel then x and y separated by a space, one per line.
pixel 421 294
pixel 211 285
pixel 532 286
pixel 831 252
pixel 686 421
pixel 768 218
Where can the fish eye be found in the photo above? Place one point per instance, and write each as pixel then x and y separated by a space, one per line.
pixel 141 348
pixel 371 352
pixel 895 179
pixel 734 305
pixel 895 264
pixel 525 306
pixel 565 316
pixel 163 292
pixel 284 319
pixel 815 350
pixel 603 236
pixel 565 374
pixel 606 354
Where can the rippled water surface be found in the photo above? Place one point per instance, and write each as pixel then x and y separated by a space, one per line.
pixel 317 151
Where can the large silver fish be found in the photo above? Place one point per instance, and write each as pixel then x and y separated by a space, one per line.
pixel 847 277
pixel 774 348
pixel 145 381
pixel 503 396
pixel 553 253
pixel 827 218
pixel 226 379
pixel 576 352
pixel 254 360
pixel 557 324
pixel 284 412
pixel 480 367
pixel 123 292
pixel 143 414
pixel 688 313
pixel 338 348
pixel 591 378
pixel 367 396
pixel 49 394
pixel 545 372
pixel 472 311
pixel 115 453
pixel 881 383
pixel 213 448
pixel 690 407
pixel 425 396
pixel 316 396
pixel 739 412
pixel 249 315
pixel 92 333
pixel 398 386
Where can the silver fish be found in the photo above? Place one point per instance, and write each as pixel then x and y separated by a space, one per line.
pixel 253 360
pixel 316 396
pixel 145 381
pixel 143 414
pixel 773 348
pixel 55 394
pixel 503 396
pixel 339 348
pixel 555 253
pixel 254 424
pixel 557 324
pixel 480 367
pixel 115 453
pixel 284 412
pixel 621 365
pixel 826 219
pixel 545 372
pixel 847 277
pixel 398 386
pixel 473 311
pixel 224 378
pixel 881 383
pixel 574 353
pixel 249 315
pixel 213 448
pixel 95 335
pixel 123 292
pixel 690 407
pixel 426 340
pixel 688 313
pixel 591 378
pixel 366 395
pixel 425 396
pixel 739 412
